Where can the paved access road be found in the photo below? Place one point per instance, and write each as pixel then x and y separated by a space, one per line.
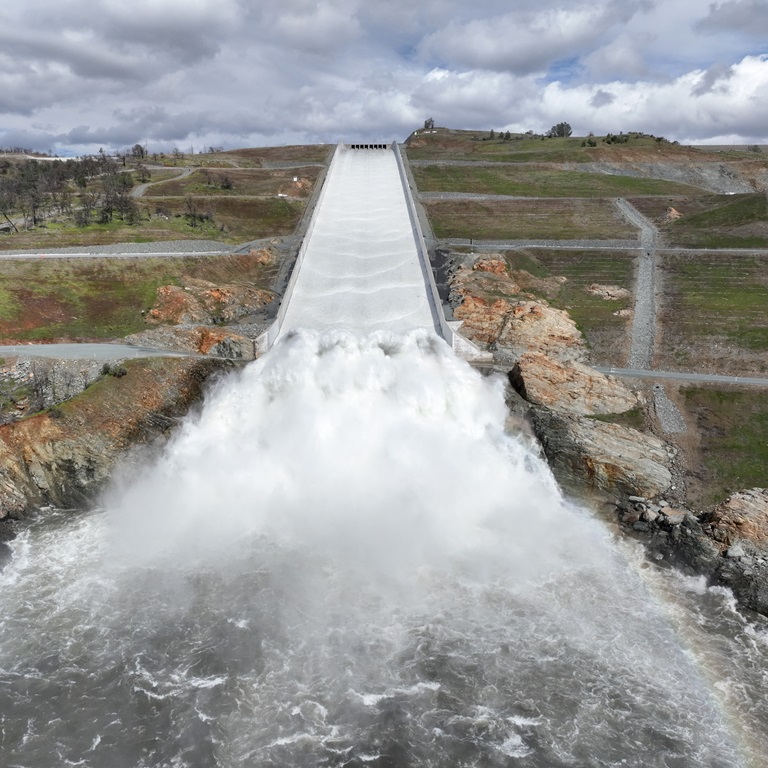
pixel 127 250
pixel 703 377
pixel 87 351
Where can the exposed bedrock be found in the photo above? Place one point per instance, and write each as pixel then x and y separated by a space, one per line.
pixel 569 387
pixel 546 356
pixel 201 340
pixel 563 400
pixel 728 544
pixel 63 457
pixel 605 457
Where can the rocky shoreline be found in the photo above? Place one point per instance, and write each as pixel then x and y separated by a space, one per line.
pixel 576 414
pixel 64 455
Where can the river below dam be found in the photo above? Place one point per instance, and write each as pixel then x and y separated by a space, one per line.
pixel 345 559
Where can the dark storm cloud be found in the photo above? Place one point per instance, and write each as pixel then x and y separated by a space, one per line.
pixel 748 17
pixel 715 76
pixel 601 99
pixel 76 55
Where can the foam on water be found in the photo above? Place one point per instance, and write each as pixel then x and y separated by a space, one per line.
pixel 344 559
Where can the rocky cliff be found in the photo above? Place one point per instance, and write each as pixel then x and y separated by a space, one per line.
pixel 563 399
pixel 63 456
pixel 728 544
pixel 545 355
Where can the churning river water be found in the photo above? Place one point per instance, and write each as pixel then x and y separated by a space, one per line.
pixel 345 560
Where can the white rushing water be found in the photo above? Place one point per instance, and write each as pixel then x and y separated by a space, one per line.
pixel 345 560
pixel 361 270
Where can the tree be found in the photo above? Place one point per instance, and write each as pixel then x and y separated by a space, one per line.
pixel 143 173
pixel 190 211
pixel 561 130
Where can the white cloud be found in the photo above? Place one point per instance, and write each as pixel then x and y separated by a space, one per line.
pixel 678 109
pixel 526 41
pixel 90 73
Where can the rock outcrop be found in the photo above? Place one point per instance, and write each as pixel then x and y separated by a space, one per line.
pixel 44 382
pixel 201 340
pixel 569 387
pixel 496 315
pixel 63 457
pixel 608 292
pixel 200 301
pixel 606 457
pixel 533 325
pixel 728 545
pixel 546 354
pixel 558 395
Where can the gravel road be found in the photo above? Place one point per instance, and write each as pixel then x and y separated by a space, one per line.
pixel 643 331
pixel 609 245
pixel 88 351
pixel 670 418
pixel 712 378
pixel 142 188
pixel 163 248
pixel 471 196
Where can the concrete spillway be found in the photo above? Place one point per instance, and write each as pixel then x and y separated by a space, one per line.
pixel 360 268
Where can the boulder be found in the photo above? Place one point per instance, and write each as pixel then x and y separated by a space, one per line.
pixel 533 326
pixel 607 457
pixel 569 387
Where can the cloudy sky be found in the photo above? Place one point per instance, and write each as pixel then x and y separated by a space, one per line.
pixel 76 75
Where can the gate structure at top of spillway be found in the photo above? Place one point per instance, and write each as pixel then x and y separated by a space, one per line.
pixel 363 264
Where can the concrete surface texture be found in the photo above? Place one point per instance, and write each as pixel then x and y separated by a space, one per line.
pixel 361 271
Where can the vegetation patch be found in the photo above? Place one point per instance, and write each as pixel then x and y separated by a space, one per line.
pixel 551 219
pixel 539 181
pixel 599 319
pixel 102 298
pixel 487 146
pixel 715 312
pixel 733 449
pixel 711 221
pixel 241 182
pixel 635 419
pixel 257 157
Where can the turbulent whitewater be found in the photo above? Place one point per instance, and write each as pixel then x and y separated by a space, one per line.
pixel 344 560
